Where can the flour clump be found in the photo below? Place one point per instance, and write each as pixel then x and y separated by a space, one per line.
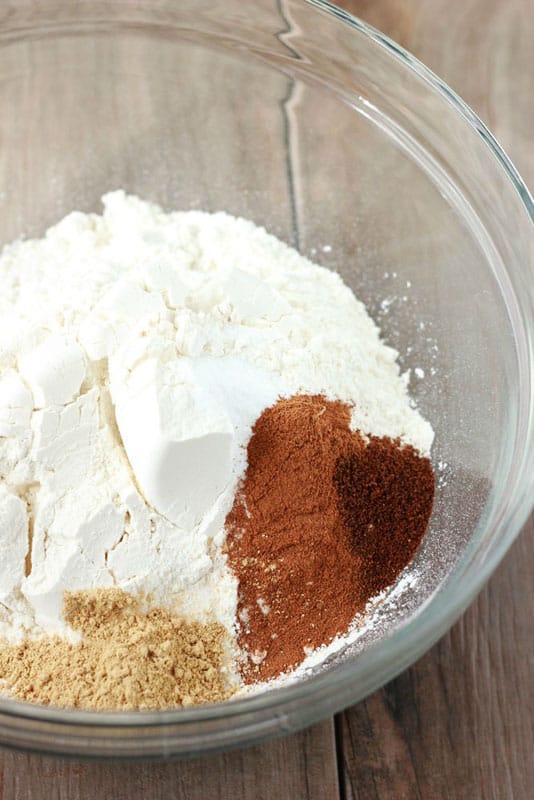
pixel 137 350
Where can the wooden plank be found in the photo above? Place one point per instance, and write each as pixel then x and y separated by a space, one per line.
pixel 300 767
pixel 180 149
pixel 134 123
pixel 481 48
pixel 459 723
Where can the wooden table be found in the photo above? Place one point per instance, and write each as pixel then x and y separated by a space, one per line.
pixel 458 724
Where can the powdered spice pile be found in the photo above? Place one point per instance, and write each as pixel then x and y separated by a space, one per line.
pixel 127 658
pixel 324 520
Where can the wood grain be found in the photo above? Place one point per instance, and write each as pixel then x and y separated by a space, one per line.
pixel 459 723
pixel 481 48
pixel 71 162
pixel 302 766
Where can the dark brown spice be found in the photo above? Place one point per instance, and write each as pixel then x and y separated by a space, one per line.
pixel 323 521
pixel 386 493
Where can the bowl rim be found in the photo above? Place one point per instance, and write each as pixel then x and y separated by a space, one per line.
pixel 423 629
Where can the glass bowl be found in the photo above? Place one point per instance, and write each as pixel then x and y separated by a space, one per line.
pixel 309 122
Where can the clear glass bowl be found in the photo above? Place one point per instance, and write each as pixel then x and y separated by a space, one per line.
pixel 309 122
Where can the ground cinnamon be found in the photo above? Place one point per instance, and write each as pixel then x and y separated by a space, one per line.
pixel 323 520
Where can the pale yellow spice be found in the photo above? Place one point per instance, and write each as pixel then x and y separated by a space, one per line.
pixel 127 658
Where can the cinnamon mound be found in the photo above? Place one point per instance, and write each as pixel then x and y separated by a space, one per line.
pixel 324 519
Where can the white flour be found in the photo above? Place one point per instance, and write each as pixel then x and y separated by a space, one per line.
pixel 137 348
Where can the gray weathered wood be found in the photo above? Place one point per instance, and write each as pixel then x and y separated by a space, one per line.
pixel 300 767
pixel 459 724
pixel 49 165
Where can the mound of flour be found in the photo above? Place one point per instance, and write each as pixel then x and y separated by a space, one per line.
pixel 137 349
